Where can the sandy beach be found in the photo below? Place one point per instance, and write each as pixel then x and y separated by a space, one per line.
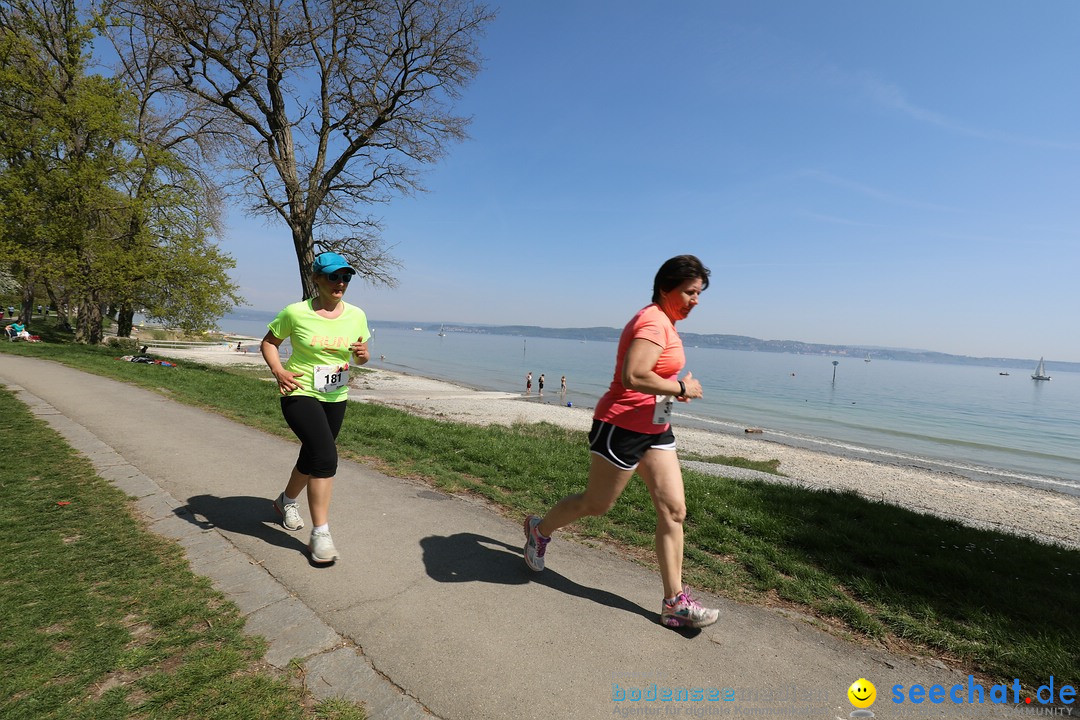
pixel 1047 516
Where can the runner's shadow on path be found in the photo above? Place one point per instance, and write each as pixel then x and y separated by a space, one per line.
pixel 254 516
pixel 468 557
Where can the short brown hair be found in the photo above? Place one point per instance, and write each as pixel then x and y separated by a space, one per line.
pixel 676 271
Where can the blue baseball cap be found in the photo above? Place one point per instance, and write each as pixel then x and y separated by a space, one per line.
pixel 330 262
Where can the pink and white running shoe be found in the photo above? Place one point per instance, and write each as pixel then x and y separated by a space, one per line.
pixel 687 612
pixel 535 544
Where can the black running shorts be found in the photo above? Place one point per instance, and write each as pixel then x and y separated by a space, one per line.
pixel 316 424
pixel 625 448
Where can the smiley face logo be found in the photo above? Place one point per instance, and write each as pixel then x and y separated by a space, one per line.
pixel 862 693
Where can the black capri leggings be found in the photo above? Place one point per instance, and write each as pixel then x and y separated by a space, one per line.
pixel 316 423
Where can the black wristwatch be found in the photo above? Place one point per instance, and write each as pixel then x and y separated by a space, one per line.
pixel 682 388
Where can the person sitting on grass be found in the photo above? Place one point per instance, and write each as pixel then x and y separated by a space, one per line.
pixel 18 331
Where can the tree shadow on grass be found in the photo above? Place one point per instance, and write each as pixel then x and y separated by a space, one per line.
pixel 1003 601
pixel 468 557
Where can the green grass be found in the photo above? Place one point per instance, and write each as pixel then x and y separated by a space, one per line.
pixel 992 603
pixel 767 466
pixel 102 619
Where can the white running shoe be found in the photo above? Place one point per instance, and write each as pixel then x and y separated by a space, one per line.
pixel 322 547
pixel 289 512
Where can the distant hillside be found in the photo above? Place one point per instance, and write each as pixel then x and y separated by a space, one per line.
pixel 741 342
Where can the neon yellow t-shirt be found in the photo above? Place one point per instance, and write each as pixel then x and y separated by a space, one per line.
pixel 320 347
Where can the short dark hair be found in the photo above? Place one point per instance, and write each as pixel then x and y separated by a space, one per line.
pixel 676 271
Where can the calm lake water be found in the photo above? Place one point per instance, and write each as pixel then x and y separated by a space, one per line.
pixel 965 419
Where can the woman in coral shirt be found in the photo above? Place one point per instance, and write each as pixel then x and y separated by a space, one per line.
pixel 631 432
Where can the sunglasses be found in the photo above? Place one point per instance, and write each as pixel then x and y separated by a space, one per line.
pixel 339 277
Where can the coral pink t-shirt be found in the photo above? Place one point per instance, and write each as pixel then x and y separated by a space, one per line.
pixel 630 409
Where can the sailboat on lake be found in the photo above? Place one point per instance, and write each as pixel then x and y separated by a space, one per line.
pixel 1040 372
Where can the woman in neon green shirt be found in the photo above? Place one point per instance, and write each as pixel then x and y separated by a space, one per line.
pixel 314 384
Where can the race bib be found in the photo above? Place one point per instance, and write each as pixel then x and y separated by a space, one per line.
pixel 662 411
pixel 329 378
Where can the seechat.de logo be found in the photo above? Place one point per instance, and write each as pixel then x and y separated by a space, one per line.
pixel 973 693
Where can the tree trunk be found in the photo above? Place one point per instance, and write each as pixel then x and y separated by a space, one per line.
pixel 88 324
pixel 304 244
pixel 63 320
pixel 26 307
pixel 125 316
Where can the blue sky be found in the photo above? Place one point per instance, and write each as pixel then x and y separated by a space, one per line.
pixel 897 174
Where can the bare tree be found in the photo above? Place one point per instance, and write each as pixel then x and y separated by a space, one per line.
pixel 333 104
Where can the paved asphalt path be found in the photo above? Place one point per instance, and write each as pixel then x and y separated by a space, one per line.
pixel 431 610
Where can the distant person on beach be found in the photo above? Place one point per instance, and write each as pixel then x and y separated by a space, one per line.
pixel 631 431
pixel 314 384
pixel 540 384
pixel 528 383
pixel 562 385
